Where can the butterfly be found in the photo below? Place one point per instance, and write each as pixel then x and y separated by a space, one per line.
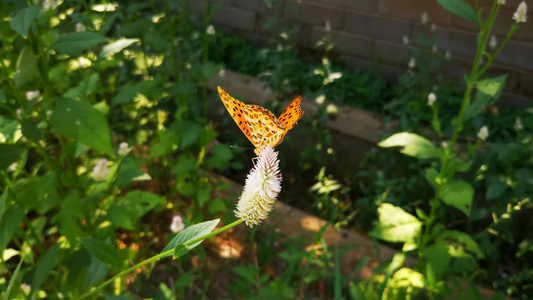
pixel 259 124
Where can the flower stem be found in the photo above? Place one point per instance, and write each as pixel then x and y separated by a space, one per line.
pixel 157 257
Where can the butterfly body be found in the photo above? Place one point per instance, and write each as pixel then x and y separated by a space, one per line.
pixel 259 124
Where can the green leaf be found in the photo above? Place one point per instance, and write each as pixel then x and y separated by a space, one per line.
pixel 461 9
pixel 116 47
pixel 183 87
pixel 413 145
pixel 431 176
pixel 30 130
pixel 73 206
pixel 180 250
pixel 10 224
pixel 129 171
pixel 45 267
pixel 126 95
pixel 85 88
pixel 76 42
pixel 23 20
pixel 184 165
pixel 395 224
pixel 438 257
pixel 492 87
pixel 221 156
pixel 125 212
pixel 208 70
pixel 78 120
pixel 166 144
pixel 458 194
pixel 3 201
pixel 460 244
pixel 102 251
pixel 13 280
pixel 96 272
pixel 26 68
pixel 406 278
pixel 217 206
pixel 207 136
pixel 496 188
pixel 203 195
pixel 190 135
pixel 190 233
pixel 10 153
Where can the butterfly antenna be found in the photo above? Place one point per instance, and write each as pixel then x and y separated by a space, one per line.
pixel 240 147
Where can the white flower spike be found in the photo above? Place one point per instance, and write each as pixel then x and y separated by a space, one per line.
pixel 412 63
pixel 262 187
pixel 101 170
pixel 483 133
pixel 431 99
pixel 520 14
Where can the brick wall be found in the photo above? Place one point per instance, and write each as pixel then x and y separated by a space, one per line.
pixel 365 31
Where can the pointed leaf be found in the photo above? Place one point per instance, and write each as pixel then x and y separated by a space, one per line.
pixel 26 68
pixel 492 87
pixel 10 153
pixel 102 251
pixel 23 20
pixel 413 145
pixel 10 223
pixel 395 224
pixel 74 43
pixel 116 47
pixel 97 270
pixel 80 120
pixel 458 194
pixel 190 233
pixel 461 9
pixel 180 250
pixel 45 267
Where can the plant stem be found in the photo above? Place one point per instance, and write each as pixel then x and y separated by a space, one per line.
pixel 470 82
pixel 157 257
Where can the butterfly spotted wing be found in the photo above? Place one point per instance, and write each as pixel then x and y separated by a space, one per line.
pixel 259 124
pixel 236 110
pixel 265 128
pixel 290 116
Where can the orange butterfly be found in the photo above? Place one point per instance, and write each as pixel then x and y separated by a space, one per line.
pixel 259 124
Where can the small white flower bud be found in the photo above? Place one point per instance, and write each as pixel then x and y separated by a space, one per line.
pixel 412 63
pixel 101 170
pixel 210 30
pixel 493 42
pixel 431 99
pixel 32 95
pixel 405 40
pixel 80 27
pixel 424 18
pixel 177 224
pixel 483 133
pixel 123 149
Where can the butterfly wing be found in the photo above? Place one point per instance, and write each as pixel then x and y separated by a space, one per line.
pixel 290 116
pixel 236 110
pixel 265 129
